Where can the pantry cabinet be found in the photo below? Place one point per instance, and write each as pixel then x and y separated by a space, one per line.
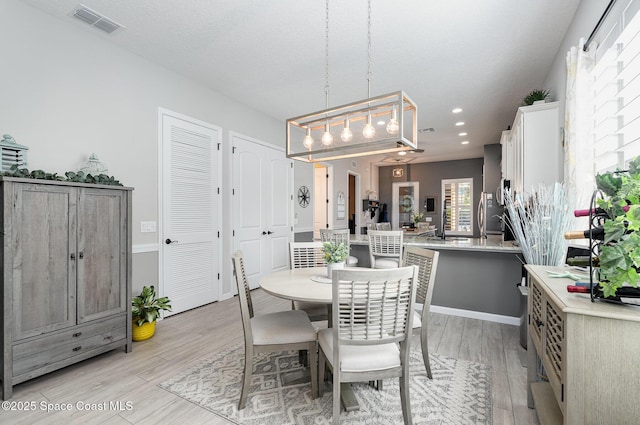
pixel 66 270
pixel 581 355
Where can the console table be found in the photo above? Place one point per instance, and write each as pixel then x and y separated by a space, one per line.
pixel 589 352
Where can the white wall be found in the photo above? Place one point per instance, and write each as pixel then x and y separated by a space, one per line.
pixel 66 92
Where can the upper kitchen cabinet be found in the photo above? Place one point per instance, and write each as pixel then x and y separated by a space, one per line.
pixel 531 151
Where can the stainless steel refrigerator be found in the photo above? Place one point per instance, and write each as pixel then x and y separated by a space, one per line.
pixel 489 215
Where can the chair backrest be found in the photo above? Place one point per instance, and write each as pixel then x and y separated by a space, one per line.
pixel 427 262
pixel 335 235
pixel 373 306
pixel 244 295
pixel 385 225
pixel 385 243
pixel 306 254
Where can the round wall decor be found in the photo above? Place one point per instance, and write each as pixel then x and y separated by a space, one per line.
pixel 304 196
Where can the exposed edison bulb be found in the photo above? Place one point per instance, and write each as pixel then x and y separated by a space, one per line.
pixel 327 138
pixel 393 127
pixel 308 140
pixel 369 130
pixel 346 135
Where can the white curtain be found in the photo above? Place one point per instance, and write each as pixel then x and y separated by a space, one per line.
pixel 579 169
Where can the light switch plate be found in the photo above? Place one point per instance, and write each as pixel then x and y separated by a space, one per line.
pixel 147 226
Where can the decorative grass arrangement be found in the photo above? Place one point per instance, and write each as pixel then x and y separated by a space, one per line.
pixel 539 221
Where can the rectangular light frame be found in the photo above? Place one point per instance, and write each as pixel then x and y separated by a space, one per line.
pixel 380 108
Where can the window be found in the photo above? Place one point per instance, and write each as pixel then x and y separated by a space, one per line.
pixel 457 195
pixel 616 80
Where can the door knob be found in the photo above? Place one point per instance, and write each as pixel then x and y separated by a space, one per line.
pixel 169 241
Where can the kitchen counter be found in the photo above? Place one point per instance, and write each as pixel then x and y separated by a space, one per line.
pixel 476 277
pixel 493 243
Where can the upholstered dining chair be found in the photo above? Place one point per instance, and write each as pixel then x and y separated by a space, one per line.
pixel 385 248
pixel 337 236
pixel 304 255
pixel 427 262
pixel 272 332
pixel 371 333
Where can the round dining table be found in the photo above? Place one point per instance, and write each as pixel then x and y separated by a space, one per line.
pixel 305 284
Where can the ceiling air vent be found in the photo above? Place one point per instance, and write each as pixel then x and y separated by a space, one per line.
pixel 94 18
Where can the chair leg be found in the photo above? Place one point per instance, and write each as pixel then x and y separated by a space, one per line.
pixel 425 349
pixel 321 368
pixel 336 396
pixel 404 397
pixel 313 362
pixel 379 385
pixel 246 378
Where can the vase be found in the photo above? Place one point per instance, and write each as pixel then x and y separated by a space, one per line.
pixel 144 332
pixel 334 266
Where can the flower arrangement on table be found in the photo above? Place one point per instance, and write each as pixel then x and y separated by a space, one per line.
pixel 335 252
pixel 416 216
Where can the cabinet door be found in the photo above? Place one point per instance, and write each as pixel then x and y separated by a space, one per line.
pixel 102 247
pixel 41 231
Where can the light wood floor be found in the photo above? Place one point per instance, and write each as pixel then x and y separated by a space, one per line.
pixel 184 339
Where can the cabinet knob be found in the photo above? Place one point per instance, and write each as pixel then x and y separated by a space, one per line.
pixel 77 334
pixel 269 232
pixel 73 256
pixel 77 348
pixel 539 323
pixel 264 233
pixel 81 255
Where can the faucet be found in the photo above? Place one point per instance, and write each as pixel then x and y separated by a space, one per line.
pixel 444 219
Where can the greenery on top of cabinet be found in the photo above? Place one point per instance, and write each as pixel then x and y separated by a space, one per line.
pixel 69 176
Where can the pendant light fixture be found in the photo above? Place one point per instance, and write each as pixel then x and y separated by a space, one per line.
pixel 358 136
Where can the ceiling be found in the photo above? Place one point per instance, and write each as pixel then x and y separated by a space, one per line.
pixel 482 56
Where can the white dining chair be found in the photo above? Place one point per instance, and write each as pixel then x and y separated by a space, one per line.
pixel 272 332
pixel 427 262
pixel 385 225
pixel 371 333
pixel 385 248
pixel 305 255
pixel 337 236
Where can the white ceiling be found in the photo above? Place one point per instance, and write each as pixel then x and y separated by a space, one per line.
pixel 482 56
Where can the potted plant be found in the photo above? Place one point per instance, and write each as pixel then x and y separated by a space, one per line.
pixel 619 256
pixel 335 254
pixel 535 96
pixel 145 310
pixel 416 216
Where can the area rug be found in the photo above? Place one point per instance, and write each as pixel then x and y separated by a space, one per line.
pixel 460 392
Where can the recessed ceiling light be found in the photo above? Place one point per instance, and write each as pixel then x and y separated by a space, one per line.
pixel 381 122
pixel 465 142
pixel 462 134
pixel 456 110
pixel 402 153
pixel 459 123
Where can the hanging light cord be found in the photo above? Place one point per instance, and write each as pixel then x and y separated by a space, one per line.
pixel 326 57
pixel 369 73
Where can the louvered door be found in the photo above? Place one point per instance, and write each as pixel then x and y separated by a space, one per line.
pixel 190 243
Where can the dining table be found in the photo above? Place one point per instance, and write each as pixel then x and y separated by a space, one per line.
pixel 313 285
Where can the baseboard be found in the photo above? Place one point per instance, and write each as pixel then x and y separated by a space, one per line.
pixel 489 317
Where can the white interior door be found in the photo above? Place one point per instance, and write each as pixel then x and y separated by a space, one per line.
pixel 189 234
pixel 262 205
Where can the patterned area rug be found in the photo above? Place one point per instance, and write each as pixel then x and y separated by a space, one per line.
pixel 460 392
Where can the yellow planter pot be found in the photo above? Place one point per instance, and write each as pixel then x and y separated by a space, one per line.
pixel 140 333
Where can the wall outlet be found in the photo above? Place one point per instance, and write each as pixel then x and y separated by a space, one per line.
pixel 147 226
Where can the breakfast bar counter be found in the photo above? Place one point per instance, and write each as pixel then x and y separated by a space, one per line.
pixel 476 277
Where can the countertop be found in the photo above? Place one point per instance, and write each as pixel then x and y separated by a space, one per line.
pixel 493 243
